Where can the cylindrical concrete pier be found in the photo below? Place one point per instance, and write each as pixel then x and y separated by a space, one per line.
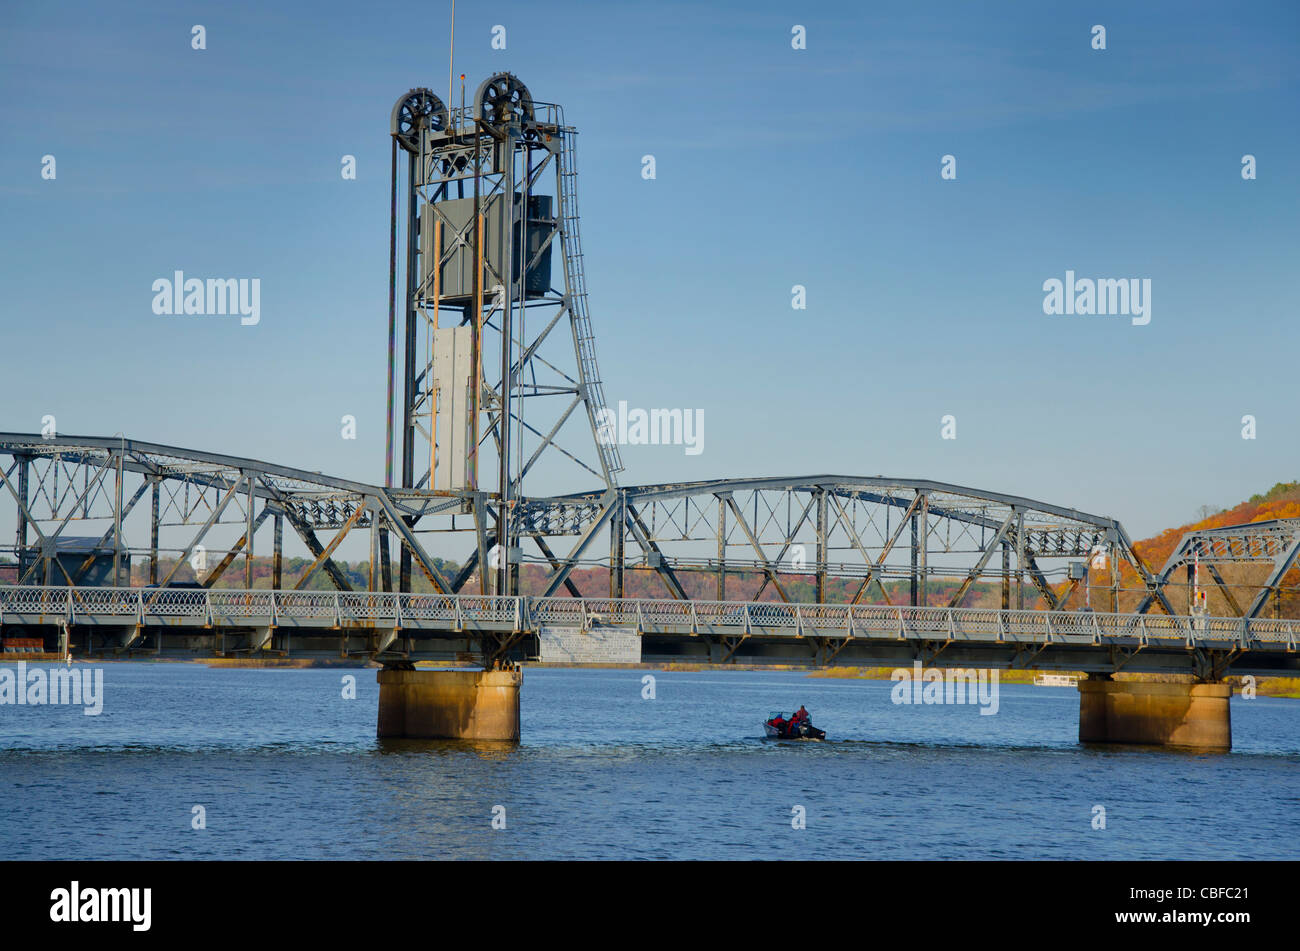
pixel 450 704
pixel 1192 716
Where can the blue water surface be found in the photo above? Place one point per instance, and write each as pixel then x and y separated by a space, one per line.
pixel 284 767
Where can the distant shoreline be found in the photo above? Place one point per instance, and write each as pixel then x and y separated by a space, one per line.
pixel 1284 687
pixel 1277 687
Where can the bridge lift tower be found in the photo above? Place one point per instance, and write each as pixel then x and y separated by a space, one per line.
pixel 493 390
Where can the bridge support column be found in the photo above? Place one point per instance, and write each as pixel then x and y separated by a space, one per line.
pixel 449 704
pixel 1193 716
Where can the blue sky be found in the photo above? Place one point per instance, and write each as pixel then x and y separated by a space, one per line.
pixel 775 167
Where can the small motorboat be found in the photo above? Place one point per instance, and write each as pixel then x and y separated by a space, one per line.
pixel 777 726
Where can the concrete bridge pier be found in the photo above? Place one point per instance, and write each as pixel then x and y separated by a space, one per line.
pixel 449 704
pixel 1186 715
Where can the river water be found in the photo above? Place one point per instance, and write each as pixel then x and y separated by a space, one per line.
pixel 284 767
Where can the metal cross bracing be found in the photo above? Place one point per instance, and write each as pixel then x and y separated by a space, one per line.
pixel 876 531
pixel 481 227
pixel 1273 544
pixel 872 530
pixel 196 499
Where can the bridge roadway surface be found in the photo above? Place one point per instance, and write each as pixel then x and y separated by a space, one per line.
pixel 393 628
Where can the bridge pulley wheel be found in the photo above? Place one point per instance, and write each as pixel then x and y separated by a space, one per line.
pixel 418 109
pixel 501 99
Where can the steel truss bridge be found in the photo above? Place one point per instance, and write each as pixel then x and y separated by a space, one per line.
pixel 872 530
pixel 477 333
pixel 869 530
pixel 1274 544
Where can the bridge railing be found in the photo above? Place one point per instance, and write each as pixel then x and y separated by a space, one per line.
pixel 368 608
pixel 164 603
pixel 33 604
pixel 33 601
pixel 235 607
pixel 1271 630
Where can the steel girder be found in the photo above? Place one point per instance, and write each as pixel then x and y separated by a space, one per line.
pixel 842 526
pixel 66 479
pixel 1275 543
pixel 871 529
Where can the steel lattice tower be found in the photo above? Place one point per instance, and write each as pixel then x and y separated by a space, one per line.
pixel 490 385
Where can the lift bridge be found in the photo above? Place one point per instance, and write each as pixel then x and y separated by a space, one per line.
pixel 492 381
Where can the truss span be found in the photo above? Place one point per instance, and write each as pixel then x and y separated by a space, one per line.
pixel 871 539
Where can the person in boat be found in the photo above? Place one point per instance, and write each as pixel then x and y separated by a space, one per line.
pixel 799 717
pixel 779 723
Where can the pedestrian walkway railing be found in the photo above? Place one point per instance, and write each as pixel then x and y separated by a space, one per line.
pixel 446 613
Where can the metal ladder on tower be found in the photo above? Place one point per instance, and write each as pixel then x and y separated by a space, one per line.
pixel 576 289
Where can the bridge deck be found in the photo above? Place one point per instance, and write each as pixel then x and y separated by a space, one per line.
pixel 193 622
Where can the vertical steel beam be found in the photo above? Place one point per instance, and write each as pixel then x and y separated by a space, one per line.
pixel 372 575
pixel 20 546
pixel 408 385
pixel 480 534
pixel 924 551
pixel 1006 576
pixel 1112 557
pixel 117 521
pixel 392 322
pixel 153 528
pixel 385 561
pixel 404 566
pixel 508 211
pixel 249 530
pixel 1020 561
pixel 821 546
pixel 617 547
pixel 277 556
pixel 722 548
pixel 476 385
pixel 914 589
